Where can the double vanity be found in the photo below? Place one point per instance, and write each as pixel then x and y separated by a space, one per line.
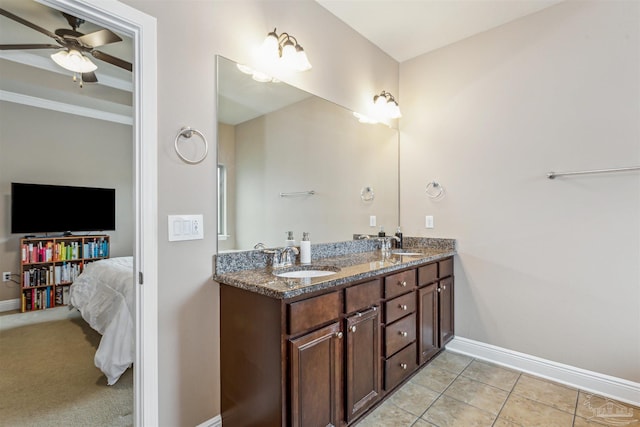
pixel 323 344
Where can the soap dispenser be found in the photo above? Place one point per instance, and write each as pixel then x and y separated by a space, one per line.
pixel 290 240
pixel 305 249
pixel 399 236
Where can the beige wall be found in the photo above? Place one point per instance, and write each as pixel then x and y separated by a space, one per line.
pixel 548 268
pixel 190 34
pixel 47 147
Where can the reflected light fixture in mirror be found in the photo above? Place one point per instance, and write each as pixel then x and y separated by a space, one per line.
pixel 284 49
pixel 386 106
pixel 258 76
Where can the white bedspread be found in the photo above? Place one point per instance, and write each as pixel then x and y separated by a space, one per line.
pixel 104 294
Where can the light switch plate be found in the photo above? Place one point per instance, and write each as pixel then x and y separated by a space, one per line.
pixel 428 221
pixel 372 221
pixel 185 227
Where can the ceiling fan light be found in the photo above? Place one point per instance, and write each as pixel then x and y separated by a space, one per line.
pixel 73 60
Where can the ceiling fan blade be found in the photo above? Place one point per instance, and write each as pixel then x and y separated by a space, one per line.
pixel 112 60
pixel 28 24
pixel 28 46
pixel 89 77
pixel 99 38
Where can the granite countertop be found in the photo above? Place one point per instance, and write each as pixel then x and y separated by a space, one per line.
pixel 353 266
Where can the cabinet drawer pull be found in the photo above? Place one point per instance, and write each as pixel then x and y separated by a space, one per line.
pixel 403 283
pixel 403 366
pixel 339 335
pixel 403 333
pixel 403 307
pixel 353 328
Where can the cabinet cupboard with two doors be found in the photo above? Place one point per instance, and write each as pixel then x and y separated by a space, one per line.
pixel 326 359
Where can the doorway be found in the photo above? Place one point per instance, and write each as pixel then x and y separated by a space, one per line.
pixel 142 29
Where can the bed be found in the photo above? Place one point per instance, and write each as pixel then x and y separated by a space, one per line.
pixel 104 294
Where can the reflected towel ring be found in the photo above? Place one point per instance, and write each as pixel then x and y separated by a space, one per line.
pixel 434 190
pixel 188 132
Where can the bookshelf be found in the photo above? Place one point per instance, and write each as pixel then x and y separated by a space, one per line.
pixel 48 265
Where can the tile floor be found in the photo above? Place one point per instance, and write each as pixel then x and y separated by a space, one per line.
pixel 457 390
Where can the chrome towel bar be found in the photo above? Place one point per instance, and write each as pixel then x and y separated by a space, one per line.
pixel 298 193
pixel 552 175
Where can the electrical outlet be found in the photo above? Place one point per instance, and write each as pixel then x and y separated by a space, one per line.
pixel 6 276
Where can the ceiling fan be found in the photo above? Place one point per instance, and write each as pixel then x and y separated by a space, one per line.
pixel 72 46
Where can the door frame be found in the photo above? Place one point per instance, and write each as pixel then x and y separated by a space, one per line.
pixel 142 28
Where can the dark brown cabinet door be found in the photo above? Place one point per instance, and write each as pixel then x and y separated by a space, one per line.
pixel 363 363
pixel 446 310
pixel 428 323
pixel 316 378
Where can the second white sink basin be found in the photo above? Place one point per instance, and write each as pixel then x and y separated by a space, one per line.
pixel 300 274
pixel 403 253
pixel 307 272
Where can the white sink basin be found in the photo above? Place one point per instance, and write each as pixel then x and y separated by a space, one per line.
pixel 403 253
pixel 309 272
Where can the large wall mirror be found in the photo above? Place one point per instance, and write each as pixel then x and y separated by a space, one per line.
pixel 291 161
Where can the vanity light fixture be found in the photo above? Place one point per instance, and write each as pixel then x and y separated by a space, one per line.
pixel 386 106
pixel 284 49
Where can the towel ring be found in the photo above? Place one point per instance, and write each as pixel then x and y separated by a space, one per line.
pixel 188 132
pixel 434 190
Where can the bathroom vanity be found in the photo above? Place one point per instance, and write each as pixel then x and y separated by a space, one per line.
pixel 323 351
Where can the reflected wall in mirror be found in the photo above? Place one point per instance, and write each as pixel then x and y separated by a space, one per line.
pixel 274 138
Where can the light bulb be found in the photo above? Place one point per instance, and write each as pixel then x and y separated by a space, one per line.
pixel 302 61
pixel 271 47
pixel 289 56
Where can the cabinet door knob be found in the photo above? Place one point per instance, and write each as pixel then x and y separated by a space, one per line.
pixel 403 283
pixel 339 335
pixel 403 366
pixel 444 287
pixel 403 333
pixel 439 289
pixel 403 306
pixel 353 328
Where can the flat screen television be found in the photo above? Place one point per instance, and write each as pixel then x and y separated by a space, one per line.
pixel 40 208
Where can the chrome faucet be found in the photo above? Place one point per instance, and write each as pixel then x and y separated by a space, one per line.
pixel 385 244
pixel 281 257
pixel 287 258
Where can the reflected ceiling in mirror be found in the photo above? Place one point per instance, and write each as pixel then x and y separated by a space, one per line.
pixel 291 161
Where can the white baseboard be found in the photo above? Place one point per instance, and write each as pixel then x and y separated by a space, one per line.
pixel 213 422
pixel 593 382
pixel 10 304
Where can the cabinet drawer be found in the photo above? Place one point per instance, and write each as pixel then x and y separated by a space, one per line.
pixel 428 273
pixel 400 306
pixel 446 268
pixel 306 314
pixel 398 367
pixel 363 295
pixel 399 283
pixel 399 334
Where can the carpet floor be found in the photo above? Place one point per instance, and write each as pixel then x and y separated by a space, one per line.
pixel 47 375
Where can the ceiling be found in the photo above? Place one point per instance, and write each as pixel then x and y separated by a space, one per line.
pixel 402 28
pixel 405 29
pixel 31 77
